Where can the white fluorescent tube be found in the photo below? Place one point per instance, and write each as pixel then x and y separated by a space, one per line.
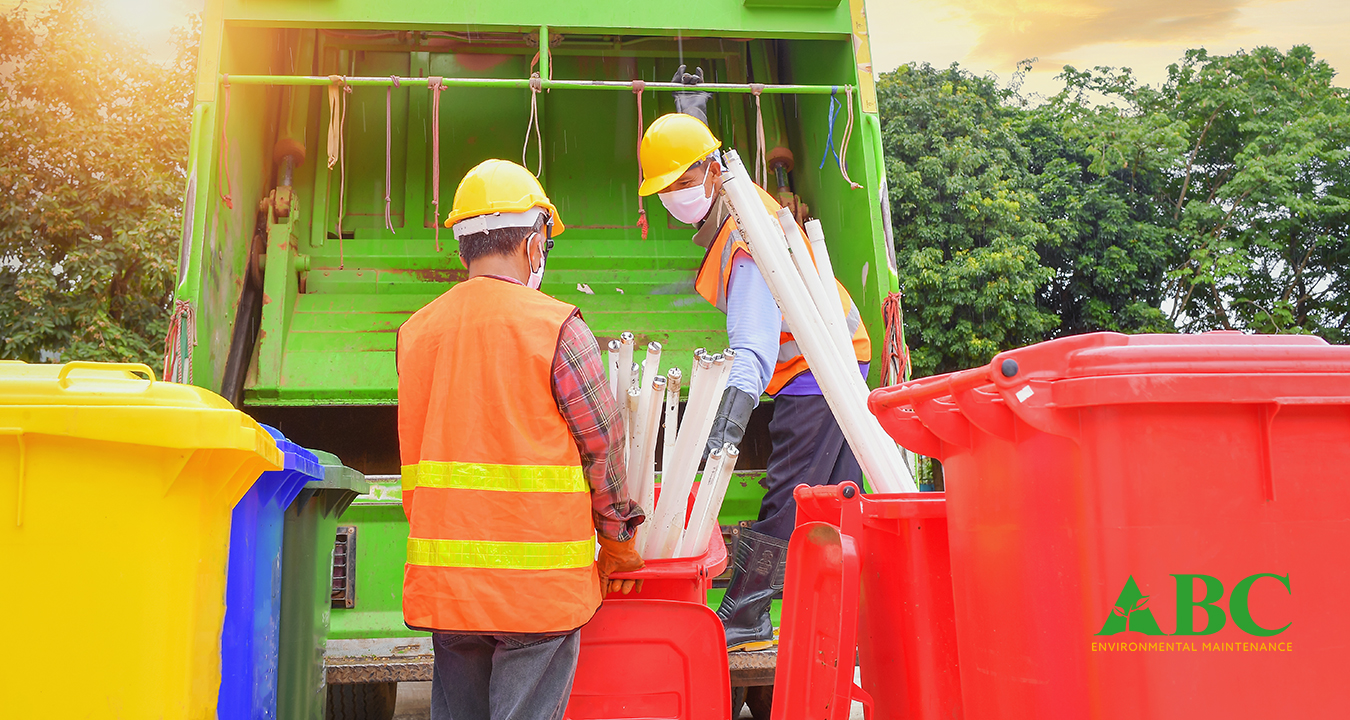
pixel 711 492
pixel 651 419
pixel 613 362
pixel 673 378
pixel 840 381
pixel 625 373
pixel 678 478
pixel 646 417
pixel 651 364
pixel 826 297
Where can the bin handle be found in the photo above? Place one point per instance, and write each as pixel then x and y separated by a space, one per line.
pixel 930 387
pixel 17 434
pixel 63 381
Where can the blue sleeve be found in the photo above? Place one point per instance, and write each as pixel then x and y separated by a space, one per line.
pixel 753 325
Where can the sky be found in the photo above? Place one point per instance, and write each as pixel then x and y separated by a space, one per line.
pixel 991 36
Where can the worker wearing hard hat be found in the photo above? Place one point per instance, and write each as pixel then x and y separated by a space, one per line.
pixel 512 454
pixel 680 164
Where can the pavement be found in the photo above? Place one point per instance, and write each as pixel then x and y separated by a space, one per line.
pixel 414 702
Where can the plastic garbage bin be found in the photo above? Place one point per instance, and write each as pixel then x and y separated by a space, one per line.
pixel 248 641
pixel 1147 526
pixel 686 579
pixel 115 501
pixel 906 626
pixel 306 586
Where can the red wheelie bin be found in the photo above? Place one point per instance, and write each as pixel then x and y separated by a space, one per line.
pixel 1145 526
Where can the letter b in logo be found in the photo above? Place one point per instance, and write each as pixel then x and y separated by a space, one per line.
pixel 1186 603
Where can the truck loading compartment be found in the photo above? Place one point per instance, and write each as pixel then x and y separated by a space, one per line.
pixel 308 118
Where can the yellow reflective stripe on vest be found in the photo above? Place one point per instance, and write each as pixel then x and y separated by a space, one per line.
pixel 501 555
pixel 487 476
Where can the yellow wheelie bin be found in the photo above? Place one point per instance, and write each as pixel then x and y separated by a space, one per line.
pixel 115 500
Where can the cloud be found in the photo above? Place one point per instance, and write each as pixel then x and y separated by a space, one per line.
pixel 1010 30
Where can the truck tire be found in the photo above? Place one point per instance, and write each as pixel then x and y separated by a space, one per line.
pixel 364 701
pixel 760 701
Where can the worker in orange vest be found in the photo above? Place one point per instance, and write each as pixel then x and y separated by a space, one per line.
pixel 513 467
pixel 681 165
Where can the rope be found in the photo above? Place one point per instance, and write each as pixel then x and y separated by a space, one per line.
pixel 842 152
pixel 334 119
pixel 536 85
pixel 894 355
pixel 761 153
pixel 638 87
pixel 388 152
pixel 342 172
pixel 843 144
pixel 831 114
pixel 225 197
pixel 182 323
pixel 436 86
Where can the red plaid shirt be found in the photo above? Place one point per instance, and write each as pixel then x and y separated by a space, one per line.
pixel 582 393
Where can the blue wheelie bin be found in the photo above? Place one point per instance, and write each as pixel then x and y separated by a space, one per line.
pixel 249 637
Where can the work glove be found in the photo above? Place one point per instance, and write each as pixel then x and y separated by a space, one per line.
pixel 732 416
pixel 691 102
pixel 618 556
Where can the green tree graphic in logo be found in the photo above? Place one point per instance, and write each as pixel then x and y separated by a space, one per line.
pixel 1129 613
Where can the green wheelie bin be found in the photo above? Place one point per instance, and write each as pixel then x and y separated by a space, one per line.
pixel 306 586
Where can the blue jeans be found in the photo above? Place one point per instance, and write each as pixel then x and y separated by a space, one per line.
pixel 510 676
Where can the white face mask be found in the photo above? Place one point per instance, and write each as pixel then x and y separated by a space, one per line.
pixel 691 204
pixel 537 276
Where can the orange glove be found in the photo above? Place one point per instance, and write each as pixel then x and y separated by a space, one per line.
pixel 616 557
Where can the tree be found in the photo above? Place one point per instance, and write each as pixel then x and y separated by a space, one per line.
pixel 93 142
pixel 964 216
pixel 1109 255
pixel 1251 153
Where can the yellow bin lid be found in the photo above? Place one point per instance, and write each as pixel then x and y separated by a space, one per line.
pixel 122 402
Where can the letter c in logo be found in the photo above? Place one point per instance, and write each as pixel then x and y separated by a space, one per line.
pixel 1242 615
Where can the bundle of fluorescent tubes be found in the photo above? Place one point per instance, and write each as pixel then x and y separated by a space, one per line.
pixel 643 394
pixel 825 345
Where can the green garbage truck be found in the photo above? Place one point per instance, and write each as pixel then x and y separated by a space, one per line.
pixel 328 139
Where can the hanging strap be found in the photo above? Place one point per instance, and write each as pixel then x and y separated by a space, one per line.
pixel 638 87
pixel 179 342
pixel 831 114
pixel 894 354
pixel 334 120
pixel 388 152
pixel 436 87
pixel 225 196
pixel 761 153
pixel 342 168
pixel 536 86
pixel 842 152
pixel 843 142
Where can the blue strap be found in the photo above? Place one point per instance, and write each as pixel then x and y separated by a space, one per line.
pixel 835 105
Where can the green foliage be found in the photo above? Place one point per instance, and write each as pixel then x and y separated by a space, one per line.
pixel 93 142
pixel 961 205
pixel 1108 255
pixel 1249 152
pixel 1218 200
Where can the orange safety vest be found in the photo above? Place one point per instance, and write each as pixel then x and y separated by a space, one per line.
pixel 501 537
pixel 714 275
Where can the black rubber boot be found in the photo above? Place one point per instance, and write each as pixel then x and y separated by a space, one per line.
pixel 756 577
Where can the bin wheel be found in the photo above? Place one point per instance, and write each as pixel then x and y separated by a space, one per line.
pixel 737 701
pixel 364 701
pixel 760 701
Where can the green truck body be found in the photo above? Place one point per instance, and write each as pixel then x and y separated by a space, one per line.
pixel 298 287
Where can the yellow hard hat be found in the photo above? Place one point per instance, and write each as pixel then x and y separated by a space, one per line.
pixel 672 144
pixel 500 186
